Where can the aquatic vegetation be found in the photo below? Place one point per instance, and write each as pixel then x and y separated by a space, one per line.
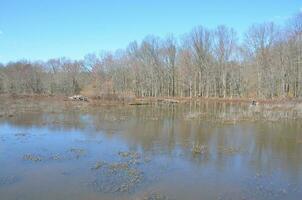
pixel 131 155
pixel 118 177
pixel 9 180
pixel 263 186
pixel 118 166
pixel 263 112
pixel 199 149
pixel 78 152
pixel 56 156
pixel 98 165
pixel 155 196
pixel 32 157
pixel 21 134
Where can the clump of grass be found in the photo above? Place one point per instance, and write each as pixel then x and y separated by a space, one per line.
pixel 122 176
pixel 32 157
pixel 78 152
pixel 155 196
pixel 199 149
pixel 21 134
pixel 98 165
pixel 56 156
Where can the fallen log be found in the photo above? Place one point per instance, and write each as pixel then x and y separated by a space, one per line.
pixel 138 103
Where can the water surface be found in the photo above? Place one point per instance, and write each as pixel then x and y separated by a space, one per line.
pixel 149 152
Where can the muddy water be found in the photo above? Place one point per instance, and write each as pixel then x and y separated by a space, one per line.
pixel 149 152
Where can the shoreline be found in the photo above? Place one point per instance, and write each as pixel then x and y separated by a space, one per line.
pixel 94 101
pixel 267 110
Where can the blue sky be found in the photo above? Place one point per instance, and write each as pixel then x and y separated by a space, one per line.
pixel 43 29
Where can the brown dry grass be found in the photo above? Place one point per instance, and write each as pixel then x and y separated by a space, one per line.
pixel 110 99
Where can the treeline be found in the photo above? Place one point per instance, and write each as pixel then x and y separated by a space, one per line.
pixel 267 63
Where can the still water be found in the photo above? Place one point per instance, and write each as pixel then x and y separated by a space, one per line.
pixel 149 152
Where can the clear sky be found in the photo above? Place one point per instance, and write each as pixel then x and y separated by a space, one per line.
pixel 43 29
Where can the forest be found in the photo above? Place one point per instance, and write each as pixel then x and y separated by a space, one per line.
pixel 266 62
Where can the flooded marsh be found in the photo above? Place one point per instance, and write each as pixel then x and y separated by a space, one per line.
pixel 197 150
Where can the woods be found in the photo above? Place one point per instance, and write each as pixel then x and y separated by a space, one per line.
pixel 266 63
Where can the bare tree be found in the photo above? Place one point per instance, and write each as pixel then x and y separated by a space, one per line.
pixel 169 51
pixel 225 43
pixel 205 63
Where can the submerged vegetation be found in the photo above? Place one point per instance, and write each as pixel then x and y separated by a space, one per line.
pixel 8 180
pixel 267 63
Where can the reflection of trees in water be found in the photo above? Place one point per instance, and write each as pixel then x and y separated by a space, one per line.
pixel 275 147
pixel 162 129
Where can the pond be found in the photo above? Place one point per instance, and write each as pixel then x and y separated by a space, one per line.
pixel 185 151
